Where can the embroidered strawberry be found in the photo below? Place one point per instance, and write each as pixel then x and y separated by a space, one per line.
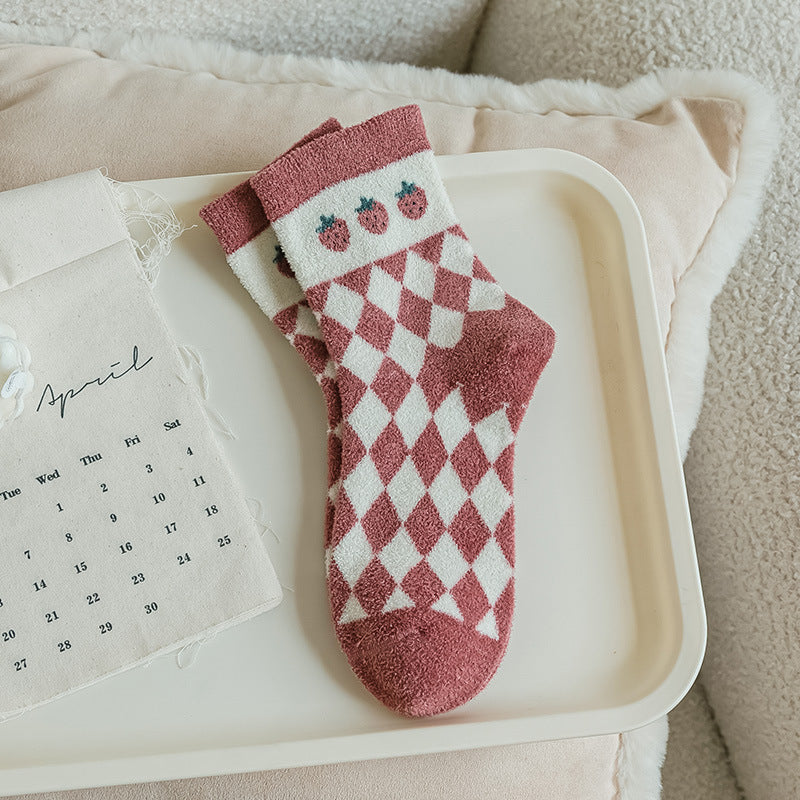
pixel 373 215
pixel 333 233
pixel 282 262
pixel 411 200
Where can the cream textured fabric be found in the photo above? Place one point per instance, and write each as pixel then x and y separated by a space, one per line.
pixel 430 34
pixel 91 588
pixel 743 469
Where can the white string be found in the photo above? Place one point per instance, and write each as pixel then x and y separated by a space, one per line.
pixel 196 372
pixel 151 222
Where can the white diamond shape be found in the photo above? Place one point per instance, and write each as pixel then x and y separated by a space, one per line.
pixel 446 326
pixel 384 291
pixel 494 433
pixel 407 349
pixel 413 415
pixel 452 420
pixel 488 625
pixel 363 486
pixel 400 555
pixel 420 275
pixel 491 499
pixel 307 323
pixel 369 418
pixel 352 611
pixel 344 305
pixel 486 296
pixel 457 254
pixel 352 554
pixel 446 561
pixel 492 570
pixel 397 599
pixel 446 604
pixel 447 493
pixel 362 359
pixel 405 489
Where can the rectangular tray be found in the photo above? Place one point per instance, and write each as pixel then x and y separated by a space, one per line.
pixel 609 629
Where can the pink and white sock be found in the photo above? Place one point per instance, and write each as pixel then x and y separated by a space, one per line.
pixel 435 365
pixel 253 253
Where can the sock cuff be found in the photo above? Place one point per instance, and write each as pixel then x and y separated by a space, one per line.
pixel 237 216
pixel 304 172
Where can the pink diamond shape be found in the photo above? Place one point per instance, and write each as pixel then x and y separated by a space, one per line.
pixel 471 598
pixel 374 587
pixel 422 585
pixel 432 378
pixel 504 467
pixel 429 454
pixel 336 336
pixel 469 531
pixel 452 290
pixel 381 522
pixel 334 457
pixel 431 248
pixel 353 449
pixel 333 400
pixel 376 326
pixel 388 452
pixel 504 534
pixel 286 320
pixel 424 525
pixel 414 313
pixel 344 520
pixel 314 351
pixel 338 590
pixel 317 295
pixel 351 389
pixel 480 272
pixel 470 461
pixel 356 279
pixel 457 230
pixel 391 384
pixel 394 265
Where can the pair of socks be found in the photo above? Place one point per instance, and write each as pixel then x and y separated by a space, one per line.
pixel 349 244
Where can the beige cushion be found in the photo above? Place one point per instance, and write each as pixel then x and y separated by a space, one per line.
pixel 692 149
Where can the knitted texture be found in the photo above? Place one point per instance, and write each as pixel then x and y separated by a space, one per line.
pixel 436 365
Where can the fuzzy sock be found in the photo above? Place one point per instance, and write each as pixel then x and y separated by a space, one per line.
pixel 435 367
pixel 253 253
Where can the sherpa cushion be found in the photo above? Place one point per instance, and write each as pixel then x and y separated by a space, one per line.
pixel 692 149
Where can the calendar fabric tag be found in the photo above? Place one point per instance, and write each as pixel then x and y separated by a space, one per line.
pixel 123 533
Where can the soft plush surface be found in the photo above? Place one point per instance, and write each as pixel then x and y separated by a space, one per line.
pixel 743 469
pixel 436 34
pixel 95 127
pixel 547 771
pixel 697 765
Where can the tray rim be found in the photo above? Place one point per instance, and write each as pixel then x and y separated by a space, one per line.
pixel 468 735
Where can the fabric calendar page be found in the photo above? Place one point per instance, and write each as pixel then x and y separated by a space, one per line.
pixel 123 533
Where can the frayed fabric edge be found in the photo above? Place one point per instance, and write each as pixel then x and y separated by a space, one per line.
pixel 151 223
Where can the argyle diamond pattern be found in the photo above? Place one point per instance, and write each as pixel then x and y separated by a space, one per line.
pixel 300 326
pixel 421 478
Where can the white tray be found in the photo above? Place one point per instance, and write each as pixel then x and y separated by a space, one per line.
pixel 609 630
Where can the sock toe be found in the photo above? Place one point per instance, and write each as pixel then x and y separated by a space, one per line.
pixel 420 663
